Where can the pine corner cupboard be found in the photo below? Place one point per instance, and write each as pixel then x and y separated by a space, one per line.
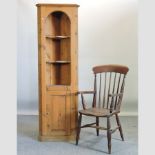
pixel 58 83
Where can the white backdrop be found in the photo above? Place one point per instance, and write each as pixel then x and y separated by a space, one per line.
pixel 107 34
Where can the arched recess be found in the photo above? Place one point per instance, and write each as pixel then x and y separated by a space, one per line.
pixel 58 50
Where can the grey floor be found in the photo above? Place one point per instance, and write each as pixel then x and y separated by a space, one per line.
pixel 89 143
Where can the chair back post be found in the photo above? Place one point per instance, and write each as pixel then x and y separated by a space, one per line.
pixel 94 97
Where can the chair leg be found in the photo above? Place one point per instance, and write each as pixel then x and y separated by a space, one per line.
pixel 109 135
pixel 78 129
pixel 97 124
pixel 120 127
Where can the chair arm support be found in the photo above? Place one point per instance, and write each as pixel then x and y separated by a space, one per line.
pixel 82 97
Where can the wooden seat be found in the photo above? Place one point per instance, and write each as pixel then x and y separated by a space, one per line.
pixel 109 82
pixel 98 112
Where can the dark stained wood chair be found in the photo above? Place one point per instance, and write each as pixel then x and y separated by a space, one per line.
pixel 109 82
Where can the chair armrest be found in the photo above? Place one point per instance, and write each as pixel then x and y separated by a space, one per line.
pixel 113 95
pixel 82 97
pixel 86 92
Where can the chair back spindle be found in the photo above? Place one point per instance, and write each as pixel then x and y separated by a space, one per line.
pixel 104 94
pixel 99 100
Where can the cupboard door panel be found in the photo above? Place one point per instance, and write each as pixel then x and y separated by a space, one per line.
pixel 58 110
pixel 74 113
pixel 58 106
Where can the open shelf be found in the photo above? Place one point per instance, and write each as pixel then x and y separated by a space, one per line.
pixel 51 85
pixel 55 85
pixel 60 87
pixel 58 49
pixel 58 74
pixel 57 37
pixel 58 62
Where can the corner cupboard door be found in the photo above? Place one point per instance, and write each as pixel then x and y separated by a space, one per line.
pixel 58 113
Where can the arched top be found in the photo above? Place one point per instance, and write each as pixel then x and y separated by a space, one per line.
pixel 58 14
pixel 57 23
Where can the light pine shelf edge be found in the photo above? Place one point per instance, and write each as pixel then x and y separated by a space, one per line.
pixel 57 37
pixel 58 62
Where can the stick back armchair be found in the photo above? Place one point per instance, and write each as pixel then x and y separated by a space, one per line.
pixel 109 82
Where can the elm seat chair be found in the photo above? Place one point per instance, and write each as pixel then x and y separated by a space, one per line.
pixel 109 82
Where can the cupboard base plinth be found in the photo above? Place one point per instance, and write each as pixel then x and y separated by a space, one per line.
pixel 57 138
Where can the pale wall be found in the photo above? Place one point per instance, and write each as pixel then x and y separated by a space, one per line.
pixel 107 34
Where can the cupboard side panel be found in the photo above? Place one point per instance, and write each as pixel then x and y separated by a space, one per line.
pixel 74 50
pixel 43 78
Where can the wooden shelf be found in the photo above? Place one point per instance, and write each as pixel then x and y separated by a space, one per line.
pixel 57 37
pixel 58 62
pixel 57 85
